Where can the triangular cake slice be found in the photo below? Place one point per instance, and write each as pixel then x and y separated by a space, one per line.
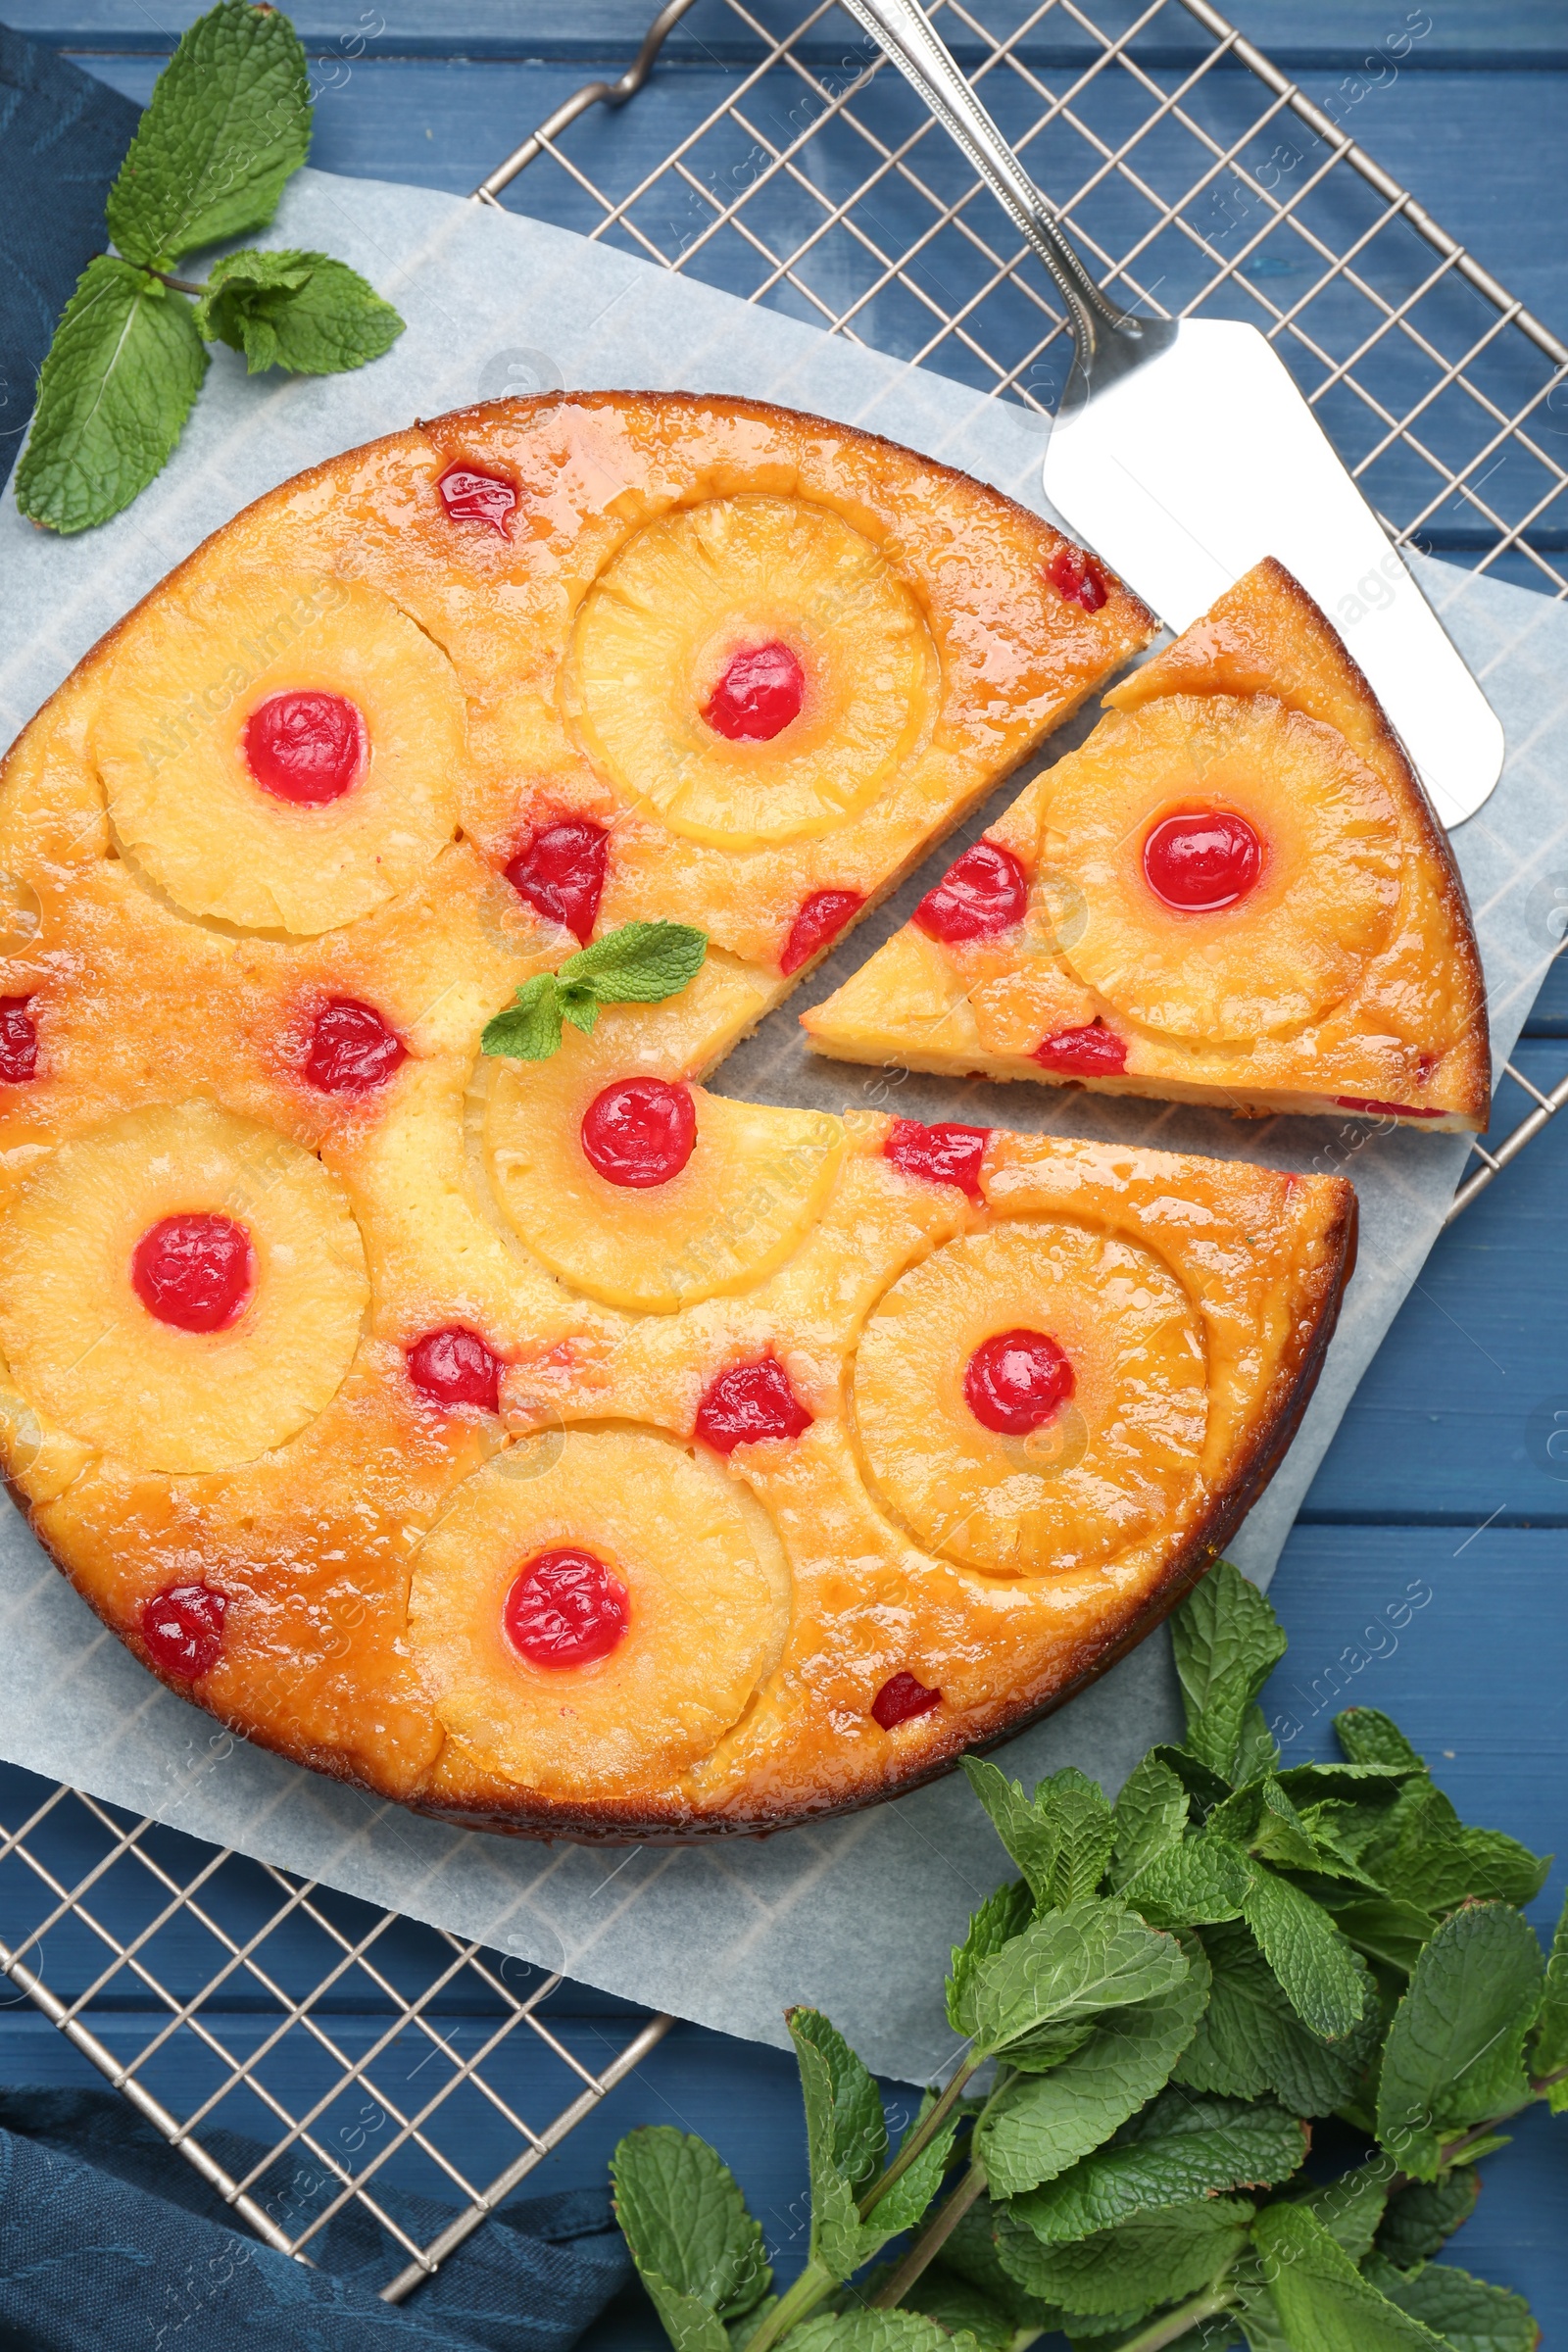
pixel 1235 893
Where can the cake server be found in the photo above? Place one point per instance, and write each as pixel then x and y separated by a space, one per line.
pixel 1184 453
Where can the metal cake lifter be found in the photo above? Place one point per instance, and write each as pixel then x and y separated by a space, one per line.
pixel 1185 452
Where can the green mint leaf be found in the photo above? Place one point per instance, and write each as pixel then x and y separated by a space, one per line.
pixel 1420 2219
pixel 1454 2052
pixel 1385 1929
pixel 1206 1790
pixel 697 2249
pixel 970 2253
pixel 1000 1918
pixel 1179 2147
pixel 904 2204
pixel 875 2331
pixel 1368 1737
pixel 1322 2298
pixel 115 390
pixel 1203 1879
pixel 1063 1970
pixel 1039 2124
pixel 1324 1979
pixel 641 963
pixel 228 122
pixel 578 1004
pixel 1256 1748
pixel 1251 2039
pixel 1549 2052
pixel 846 2138
pixel 1152 1814
pixel 1152 2258
pixel 1228 1642
pixel 1371 1784
pixel 954 2303
pixel 1061 1838
pixel 529 1030
pixel 1423 1854
pixel 299 311
pixel 1464 2312
pixel 1351 2207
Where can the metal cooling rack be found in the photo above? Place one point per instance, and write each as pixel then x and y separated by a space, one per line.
pixel 359 2048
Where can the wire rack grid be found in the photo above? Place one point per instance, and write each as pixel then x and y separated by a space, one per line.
pixel 366 2059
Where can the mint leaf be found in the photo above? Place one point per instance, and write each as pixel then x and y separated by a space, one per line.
pixel 529 1030
pixel 1465 2312
pixel 641 963
pixel 1203 1879
pixel 1424 1854
pixel 1039 2124
pixel 1325 1980
pixel 1322 2298
pixel 1351 2207
pixel 847 2140
pixel 970 2254
pixel 1061 1838
pixel 115 390
pixel 902 2204
pixel 1228 1642
pixel 1256 1748
pixel 955 2304
pixel 1421 2217
pixel 1000 1918
pixel 1152 2258
pixel 1369 1736
pixel 1455 2049
pixel 1177 2148
pixel 299 311
pixel 1061 1972
pixel 1385 1929
pixel 1549 2054
pixel 1252 2041
pixel 1151 1815
pixel 875 2331
pixel 228 122
pixel 697 2249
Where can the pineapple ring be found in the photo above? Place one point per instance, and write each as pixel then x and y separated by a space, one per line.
pixel 86 1349
pixel 709 1593
pixel 756 1180
pixel 1112 1464
pixel 1296 944
pixel 169 743
pixel 688 592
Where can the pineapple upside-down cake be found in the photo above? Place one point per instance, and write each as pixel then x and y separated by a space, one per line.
pixel 549 1442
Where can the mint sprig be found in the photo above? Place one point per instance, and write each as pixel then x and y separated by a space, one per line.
pixel 1169 1992
pixel 227 124
pixel 641 963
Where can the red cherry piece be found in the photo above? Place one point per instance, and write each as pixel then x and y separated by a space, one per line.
pixel 1093 1053
pixel 1078 577
pixel 182 1627
pixel 560 871
pixel 565 1609
pixel 984 890
pixel 757 696
pixel 900 1699
pixel 943 1154
pixel 1202 860
pixel 1385 1110
pixel 454 1366
pixel 352 1049
pixel 307 747
pixel 19 1042
pixel 750 1403
pixel 639 1132
pixel 471 495
pixel 822 917
pixel 1015 1381
pixel 196 1272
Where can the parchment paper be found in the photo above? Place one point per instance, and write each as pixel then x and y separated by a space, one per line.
pixel 857 1916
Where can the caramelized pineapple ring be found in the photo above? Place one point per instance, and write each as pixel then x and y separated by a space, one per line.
pixel 1117 1426
pixel 1292 944
pixel 702 1604
pixel 210 789
pixel 747 1192
pixel 658 653
pixel 101 1335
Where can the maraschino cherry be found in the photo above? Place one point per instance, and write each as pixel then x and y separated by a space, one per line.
pixel 760 693
pixel 900 1699
pixel 182 1627
pixel 352 1049
pixel 19 1042
pixel 1078 577
pixel 560 871
pixel 1092 1051
pixel 749 1403
pixel 454 1366
pixel 305 746
pixel 821 917
pixel 1204 860
pixel 943 1153
pixel 564 1609
pixel 196 1271
pixel 639 1132
pixel 1015 1381
pixel 984 890
pixel 471 495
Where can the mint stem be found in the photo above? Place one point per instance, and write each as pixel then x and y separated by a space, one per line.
pixel 929 2244
pixel 794 2305
pixel 921 2138
pixel 1175 2323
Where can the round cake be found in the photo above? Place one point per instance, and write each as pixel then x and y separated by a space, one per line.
pixel 552 1443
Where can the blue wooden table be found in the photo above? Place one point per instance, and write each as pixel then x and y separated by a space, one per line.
pixel 1428 1574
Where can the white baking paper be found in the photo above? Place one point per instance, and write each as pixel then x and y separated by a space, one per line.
pixel 858 1914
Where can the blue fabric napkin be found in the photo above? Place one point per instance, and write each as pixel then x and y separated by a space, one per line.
pixel 62 137
pixel 108 2239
